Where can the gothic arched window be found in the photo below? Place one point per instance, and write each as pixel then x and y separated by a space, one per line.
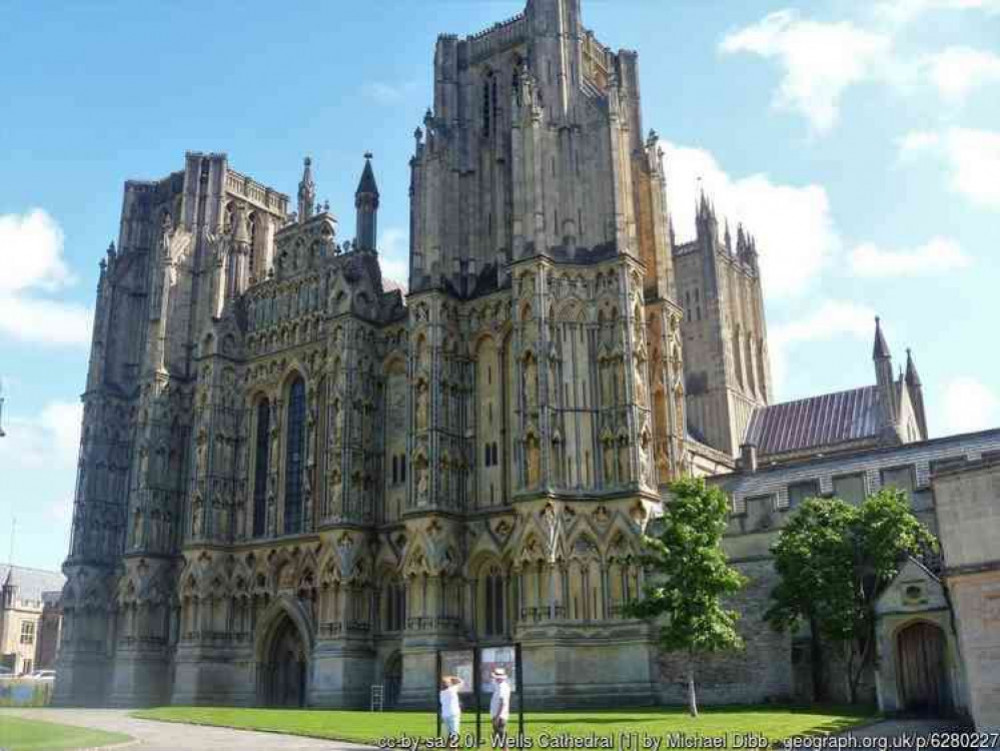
pixel 395 606
pixel 494 625
pixel 260 468
pixel 295 456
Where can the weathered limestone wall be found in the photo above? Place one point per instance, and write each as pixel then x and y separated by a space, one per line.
pixel 968 510
pixel 760 673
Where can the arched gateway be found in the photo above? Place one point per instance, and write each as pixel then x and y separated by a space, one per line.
pixel 283 652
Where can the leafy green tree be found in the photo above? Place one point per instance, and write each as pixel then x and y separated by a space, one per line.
pixel 689 576
pixel 835 560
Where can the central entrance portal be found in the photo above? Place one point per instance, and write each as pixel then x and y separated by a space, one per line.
pixel 284 667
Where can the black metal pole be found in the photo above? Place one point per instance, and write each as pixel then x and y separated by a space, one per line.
pixel 435 696
pixel 475 681
pixel 520 690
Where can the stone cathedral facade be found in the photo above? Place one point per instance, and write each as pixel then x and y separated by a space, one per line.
pixel 295 481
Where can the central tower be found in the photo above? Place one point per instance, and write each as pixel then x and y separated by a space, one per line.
pixel 534 147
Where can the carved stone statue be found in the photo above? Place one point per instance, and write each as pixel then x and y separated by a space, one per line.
pixel 533 461
pixel 422 482
pixel 623 462
pixel 640 383
pixel 644 465
pixel 531 383
pixel 422 405
pixel 197 518
pixel 609 462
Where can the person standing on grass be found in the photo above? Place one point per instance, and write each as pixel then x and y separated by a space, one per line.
pixel 451 709
pixel 500 705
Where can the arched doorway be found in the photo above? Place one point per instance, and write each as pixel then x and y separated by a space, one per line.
pixel 923 686
pixel 284 667
pixel 392 678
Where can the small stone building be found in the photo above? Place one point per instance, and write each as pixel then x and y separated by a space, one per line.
pixel 30 618
pixel 920 665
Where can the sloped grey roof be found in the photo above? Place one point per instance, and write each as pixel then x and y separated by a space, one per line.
pixel 816 422
pixel 32 582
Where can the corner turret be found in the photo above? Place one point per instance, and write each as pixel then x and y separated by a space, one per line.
pixel 884 378
pixel 366 203
pixel 307 192
pixel 916 390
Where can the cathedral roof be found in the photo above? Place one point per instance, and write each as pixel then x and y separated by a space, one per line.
pixel 818 422
pixel 31 582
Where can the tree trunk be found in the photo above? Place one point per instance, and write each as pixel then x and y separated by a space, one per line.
pixel 852 684
pixel 692 697
pixel 816 661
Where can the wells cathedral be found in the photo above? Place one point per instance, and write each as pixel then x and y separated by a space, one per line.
pixel 297 481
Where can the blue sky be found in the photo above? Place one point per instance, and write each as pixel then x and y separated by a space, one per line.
pixel 859 141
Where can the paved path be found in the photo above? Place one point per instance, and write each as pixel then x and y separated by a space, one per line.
pixel 172 736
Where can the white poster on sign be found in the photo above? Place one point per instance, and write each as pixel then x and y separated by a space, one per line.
pixel 491 658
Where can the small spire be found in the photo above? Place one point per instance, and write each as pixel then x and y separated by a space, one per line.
pixel 729 244
pixel 881 349
pixel 307 191
pixel 367 186
pixel 912 377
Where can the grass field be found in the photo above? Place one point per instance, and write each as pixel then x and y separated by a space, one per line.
pixel 774 723
pixel 17 734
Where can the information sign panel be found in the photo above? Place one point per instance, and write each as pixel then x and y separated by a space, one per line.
pixel 497 657
pixel 459 662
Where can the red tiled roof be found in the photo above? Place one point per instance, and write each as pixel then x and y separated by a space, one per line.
pixel 817 422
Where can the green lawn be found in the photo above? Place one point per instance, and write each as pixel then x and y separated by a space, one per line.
pixel 18 734
pixel 774 723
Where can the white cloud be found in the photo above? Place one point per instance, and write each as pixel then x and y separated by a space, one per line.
pixel 820 60
pixel 939 254
pixel 394 255
pixel 32 246
pixel 958 71
pixel 31 252
pixel 384 93
pixel 825 321
pixel 974 160
pixel 917 142
pixel 969 405
pixel 49 440
pixel 971 156
pixel 37 320
pixel 793 226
